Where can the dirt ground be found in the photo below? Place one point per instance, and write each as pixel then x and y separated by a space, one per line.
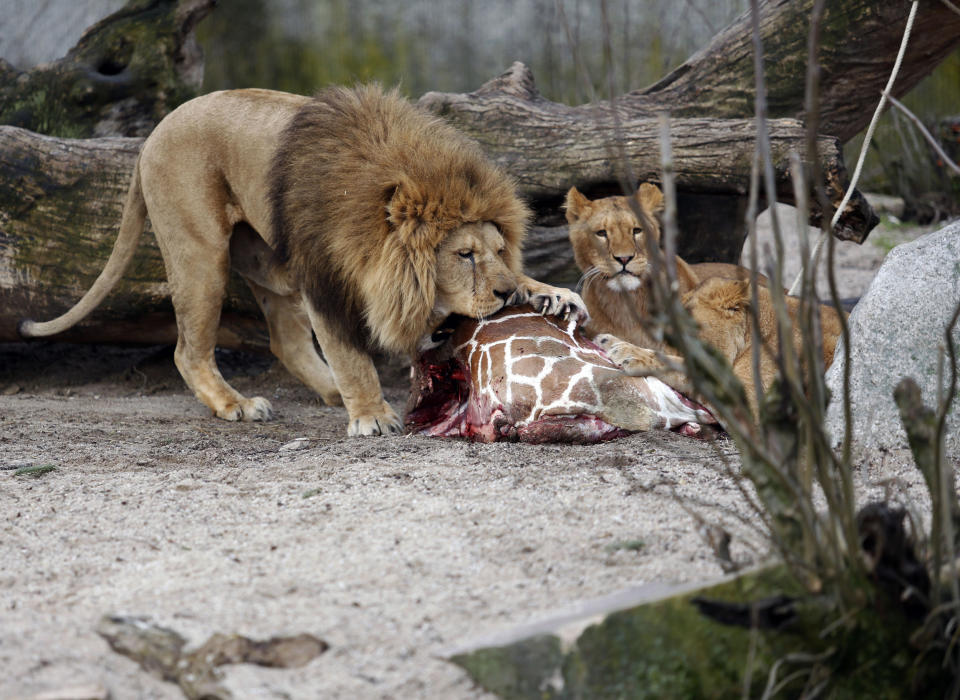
pixel 389 549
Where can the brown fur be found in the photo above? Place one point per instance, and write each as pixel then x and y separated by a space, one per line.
pixel 366 187
pixel 384 220
pixel 616 293
pixel 722 309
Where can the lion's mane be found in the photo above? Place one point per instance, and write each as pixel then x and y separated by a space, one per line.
pixel 365 188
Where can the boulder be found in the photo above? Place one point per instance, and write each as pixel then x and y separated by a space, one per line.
pixel 734 637
pixel 896 331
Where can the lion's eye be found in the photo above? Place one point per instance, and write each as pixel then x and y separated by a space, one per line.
pixel 465 254
pixel 601 233
pixel 501 252
pixel 637 231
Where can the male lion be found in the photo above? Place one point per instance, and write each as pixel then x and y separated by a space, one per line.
pixel 352 214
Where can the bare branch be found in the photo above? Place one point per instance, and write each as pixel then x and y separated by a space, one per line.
pixel 926 134
pixel 951 6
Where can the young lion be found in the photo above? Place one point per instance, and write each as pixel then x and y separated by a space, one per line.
pixel 721 307
pixel 352 215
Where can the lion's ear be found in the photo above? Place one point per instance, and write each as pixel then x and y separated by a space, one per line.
pixel 576 205
pixel 387 197
pixel 739 295
pixel 400 209
pixel 650 198
pixel 415 220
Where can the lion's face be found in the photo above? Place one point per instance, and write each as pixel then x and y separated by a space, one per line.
pixel 473 275
pixel 721 308
pixel 609 240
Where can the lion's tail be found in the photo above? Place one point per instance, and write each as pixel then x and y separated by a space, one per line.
pixel 131 226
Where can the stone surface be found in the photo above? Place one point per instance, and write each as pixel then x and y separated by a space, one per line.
pixel 94 691
pixel 896 331
pixel 695 642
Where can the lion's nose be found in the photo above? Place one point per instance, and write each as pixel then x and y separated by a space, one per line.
pixel 624 259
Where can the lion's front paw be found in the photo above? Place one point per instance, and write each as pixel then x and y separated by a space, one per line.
pixel 383 423
pixel 560 302
pixel 606 340
pixel 257 408
pixel 634 361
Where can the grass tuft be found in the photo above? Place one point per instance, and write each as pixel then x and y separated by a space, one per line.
pixel 36 471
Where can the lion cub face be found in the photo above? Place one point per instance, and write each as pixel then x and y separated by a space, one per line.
pixel 473 275
pixel 609 241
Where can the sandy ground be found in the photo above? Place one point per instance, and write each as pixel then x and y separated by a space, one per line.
pixel 390 549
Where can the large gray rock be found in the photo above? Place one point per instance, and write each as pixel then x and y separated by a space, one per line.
pixel 895 331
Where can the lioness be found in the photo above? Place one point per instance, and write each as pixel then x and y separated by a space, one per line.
pixel 610 247
pixel 352 214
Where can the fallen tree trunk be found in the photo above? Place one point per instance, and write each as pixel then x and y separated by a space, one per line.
pixel 859 40
pixel 61 201
pixel 549 147
pixel 60 205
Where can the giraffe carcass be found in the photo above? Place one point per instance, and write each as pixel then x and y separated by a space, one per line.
pixel 518 375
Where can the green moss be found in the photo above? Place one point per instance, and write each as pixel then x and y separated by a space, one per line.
pixel 668 649
pixel 131 54
pixel 884 242
pixel 35 471
pixel 39 106
pixel 519 670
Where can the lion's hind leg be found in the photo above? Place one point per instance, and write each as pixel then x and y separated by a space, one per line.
pixel 198 268
pixel 291 341
pixel 197 309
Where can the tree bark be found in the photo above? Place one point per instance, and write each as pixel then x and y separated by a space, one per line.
pixel 60 206
pixel 549 147
pixel 126 72
pixel 858 44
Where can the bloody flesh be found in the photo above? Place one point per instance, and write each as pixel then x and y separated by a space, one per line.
pixel 518 375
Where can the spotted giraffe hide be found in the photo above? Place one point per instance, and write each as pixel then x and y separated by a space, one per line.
pixel 518 375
